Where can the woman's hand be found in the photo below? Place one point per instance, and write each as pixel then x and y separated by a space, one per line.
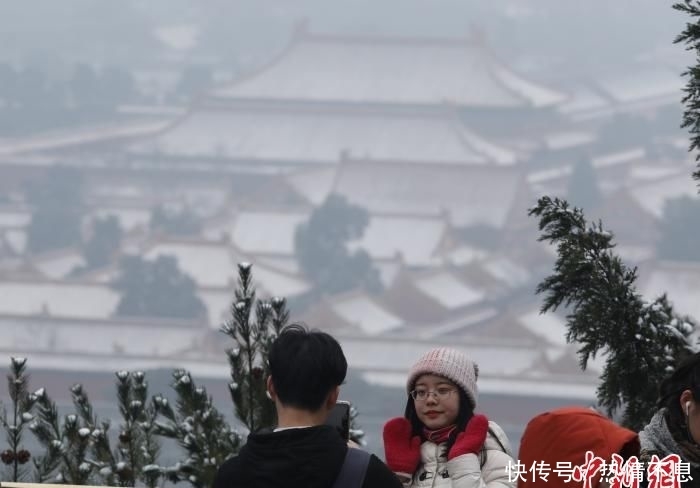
pixel 473 437
pixel 401 449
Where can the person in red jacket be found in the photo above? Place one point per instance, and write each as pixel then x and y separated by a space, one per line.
pixel 557 441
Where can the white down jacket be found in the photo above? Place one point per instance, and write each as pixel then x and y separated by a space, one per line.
pixel 466 471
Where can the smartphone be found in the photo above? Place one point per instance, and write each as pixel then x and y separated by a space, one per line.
pixel 340 419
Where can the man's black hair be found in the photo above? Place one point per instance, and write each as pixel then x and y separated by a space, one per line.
pixel 305 366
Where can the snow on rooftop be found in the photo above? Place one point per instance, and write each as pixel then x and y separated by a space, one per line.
pixel 507 271
pixel 210 265
pixel 417 240
pixel 465 255
pixel 278 283
pixel 365 313
pixel 181 37
pixel 286 264
pixel 566 140
pixel 129 218
pixel 653 195
pixel 681 281
pixel 468 195
pixel 395 71
pixel 57 299
pixel 392 355
pixel 218 305
pixel 80 136
pixel 645 84
pixel 313 136
pixel 652 173
pixel 17 240
pixel 314 185
pixel 118 338
pixel 388 271
pixel 59 265
pixel 267 232
pixel 553 387
pixel 547 175
pixel 448 291
pixel 14 218
pixel 549 326
pixel 584 99
pixel 621 157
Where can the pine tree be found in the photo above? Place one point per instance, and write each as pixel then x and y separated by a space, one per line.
pixel 199 428
pixel 79 450
pixel 22 405
pixel 691 38
pixel 641 340
pixel 249 364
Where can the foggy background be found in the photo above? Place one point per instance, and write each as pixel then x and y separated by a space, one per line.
pixel 374 161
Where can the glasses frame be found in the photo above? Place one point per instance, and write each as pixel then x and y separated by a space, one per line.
pixel 414 394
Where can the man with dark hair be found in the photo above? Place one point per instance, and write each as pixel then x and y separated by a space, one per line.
pixel 306 371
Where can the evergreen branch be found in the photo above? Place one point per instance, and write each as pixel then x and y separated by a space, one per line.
pixel 607 315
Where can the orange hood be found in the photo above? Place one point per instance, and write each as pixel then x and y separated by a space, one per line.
pixel 564 435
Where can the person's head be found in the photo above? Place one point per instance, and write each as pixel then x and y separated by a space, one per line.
pixel 306 369
pixel 442 391
pixel 564 435
pixel 680 395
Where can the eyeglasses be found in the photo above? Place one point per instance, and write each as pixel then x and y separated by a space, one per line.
pixel 421 395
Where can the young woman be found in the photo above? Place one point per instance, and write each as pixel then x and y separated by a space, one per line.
pixel 440 441
pixel 675 428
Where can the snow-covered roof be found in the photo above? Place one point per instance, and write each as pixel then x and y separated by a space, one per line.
pixel 58 265
pixel 180 37
pixel 218 305
pixel 545 386
pixel 313 184
pixel 568 139
pixel 464 255
pixel 67 300
pixel 584 99
pixel 270 234
pixel 81 136
pixel 507 271
pixel 129 218
pixel 632 88
pixel 14 218
pixel 680 281
pixel 365 313
pixel 470 195
pixel 447 290
pixel 416 239
pixel 620 157
pixel 300 136
pixel 16 239
pixel 390 71
pixel 652 196
pixel 216 266
pixel 209 265
pixel 103 338
pixel 548 326
pixel 277 283
pixel 266 232
pixel 384 354
pixel 656 84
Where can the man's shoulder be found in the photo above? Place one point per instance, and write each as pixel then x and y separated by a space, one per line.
pixel 379 475
pixel 229 470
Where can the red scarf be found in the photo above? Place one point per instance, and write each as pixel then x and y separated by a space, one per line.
pixel 438 436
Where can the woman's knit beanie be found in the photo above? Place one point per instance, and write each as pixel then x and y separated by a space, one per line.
pixel 451 364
